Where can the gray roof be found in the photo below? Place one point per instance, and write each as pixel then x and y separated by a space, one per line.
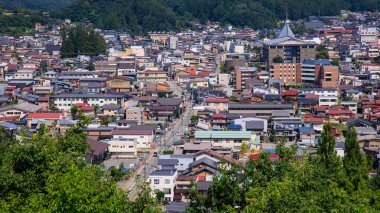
pixel 203 185
pixel 317 61
pixel 254 125
pixel 286 31
pixel 26 107
pixel 196 147
pixel 163 173
pixel 261 106
pixel 99 95
pixel 8 125
pixel 169 101
pixel 167 162
pixel 177 207
pixel 281 114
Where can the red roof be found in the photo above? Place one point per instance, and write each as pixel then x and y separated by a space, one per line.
pixel 337 112
pixel 271 155
pixel 80 104
pixel 289 93
pixel 46 115
pixel 87 108
pixel 218 116
pixel 217 100
pixel 204 73
pixel 311 96
pixel 321 107
pixel 9 118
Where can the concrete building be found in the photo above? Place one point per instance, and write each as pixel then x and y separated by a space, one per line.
pixel 288 47
pixel 164 181
pixel 225 139
pixel 368 35
pixel 288 74
pixel 240 75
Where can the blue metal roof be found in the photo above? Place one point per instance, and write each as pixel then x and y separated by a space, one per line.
pixel 233 126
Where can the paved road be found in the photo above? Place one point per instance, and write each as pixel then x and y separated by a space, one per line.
pixel 133 185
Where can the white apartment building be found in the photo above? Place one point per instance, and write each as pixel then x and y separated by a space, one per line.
pixel 65 101
pixel 163 180
pixel 368 35
pixel 123 147
pixel 225 139
pixel 24 74
pixel 143 138
pixel 327 100
pixel 320 92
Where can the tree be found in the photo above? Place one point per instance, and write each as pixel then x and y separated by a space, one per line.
pixel 278 59
pixel 354 162
pixel 322 55
pixel 83 120
pixel 74 110
pixel 194 119
pixel 244 147
pixel 326 145
pixel 91 66
pixel 335 62
pixel 78 40
pixel 46 174
pixel 160 195
pixel 234 99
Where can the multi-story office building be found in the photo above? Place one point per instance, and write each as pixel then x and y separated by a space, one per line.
pixel 240 75
pixel 290 49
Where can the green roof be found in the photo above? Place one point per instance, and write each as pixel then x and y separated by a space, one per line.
pixel 223 134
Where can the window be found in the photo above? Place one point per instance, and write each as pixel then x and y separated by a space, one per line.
pixel 167 191
pixel 156 181
pixel 167 181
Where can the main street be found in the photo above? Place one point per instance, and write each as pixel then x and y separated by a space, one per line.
pixel 134 184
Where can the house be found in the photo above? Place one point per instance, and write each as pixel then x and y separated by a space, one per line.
pixel 226 139
pixel 64 124
pixel 183 161
pixel 142 138
pixel 287 127
pixel 255 125
pixel 119 84
pixel 21 110
pixel 217 104
pixel 44 115
pixel 152 76
pixel 165 181
pixel 97 150
pixel 307 136
pixel 183 185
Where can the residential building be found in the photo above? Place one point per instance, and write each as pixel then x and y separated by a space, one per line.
pixel 143 138
pixel 164 181
pixel 226 139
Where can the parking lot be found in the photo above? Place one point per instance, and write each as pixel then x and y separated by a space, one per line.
pixel 117 161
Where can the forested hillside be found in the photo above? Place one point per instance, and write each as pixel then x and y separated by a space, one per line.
pixel 160 15
pixel 34 4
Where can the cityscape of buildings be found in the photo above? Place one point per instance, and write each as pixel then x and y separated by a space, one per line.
pixel 173 108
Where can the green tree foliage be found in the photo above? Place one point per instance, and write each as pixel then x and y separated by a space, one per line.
pixel 45 174
pixel 74 110
pixel 278 59
pixel 78 40
pixel 20 22
pixel 354 162
pixel 34 4
pixel 194 119
pixel 294 184
pixel 163 15
pixel 322 52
